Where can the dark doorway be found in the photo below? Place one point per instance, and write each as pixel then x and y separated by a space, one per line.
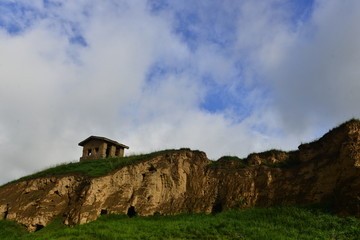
pixel 6 213
pixel 108 151
pixel 217 207
pixel 117 152
pixel 39 227
pixel 131 211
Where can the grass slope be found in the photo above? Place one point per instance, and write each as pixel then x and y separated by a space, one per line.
pixel 92 168
pixel 256 223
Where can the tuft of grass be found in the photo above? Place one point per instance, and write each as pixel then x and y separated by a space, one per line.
pixel 255 223
pixel 224 160
pixel 339 127
pixel 267 152
pixel 272 151
pixel 92 168
pixel 231 158
pixel 352 120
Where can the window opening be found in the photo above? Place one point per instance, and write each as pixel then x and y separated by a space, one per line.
pixel 108 151
pixel 117 152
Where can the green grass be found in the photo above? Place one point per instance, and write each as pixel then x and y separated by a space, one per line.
pixel 243 163
pixel 11 230
pixel 93 168
pixel 256 223
pixel 352 120
pixel 240 163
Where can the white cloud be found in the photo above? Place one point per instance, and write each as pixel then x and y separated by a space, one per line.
pixel 317 82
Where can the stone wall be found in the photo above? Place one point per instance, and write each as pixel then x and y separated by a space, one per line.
pixel 97 149
pixel 94 149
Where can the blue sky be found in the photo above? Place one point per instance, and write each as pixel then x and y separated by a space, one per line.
pixel 227 77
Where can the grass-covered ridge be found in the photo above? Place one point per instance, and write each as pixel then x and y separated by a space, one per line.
pixel 256 223
pixel 92 168
pixel 225 160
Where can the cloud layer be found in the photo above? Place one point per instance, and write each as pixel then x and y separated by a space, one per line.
pixel 226 77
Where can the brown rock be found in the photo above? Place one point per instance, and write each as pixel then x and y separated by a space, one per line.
pixel 326 171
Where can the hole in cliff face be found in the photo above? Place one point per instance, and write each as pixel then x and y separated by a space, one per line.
pixel 103 212
pixel 152 169
pixel 131 211
pixel 38 227
pixel 217 207
pixel 6 213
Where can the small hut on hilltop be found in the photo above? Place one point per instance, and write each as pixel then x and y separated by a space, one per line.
pixel 95 147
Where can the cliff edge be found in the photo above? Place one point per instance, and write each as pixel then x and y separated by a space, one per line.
pixel 326 171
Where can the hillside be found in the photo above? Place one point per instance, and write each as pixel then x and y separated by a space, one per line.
pixel 326 171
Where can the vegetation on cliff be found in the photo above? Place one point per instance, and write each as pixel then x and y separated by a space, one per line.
pixel 92 168
pixel 256 223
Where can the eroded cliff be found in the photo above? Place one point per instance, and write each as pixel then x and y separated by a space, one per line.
pixel 325 171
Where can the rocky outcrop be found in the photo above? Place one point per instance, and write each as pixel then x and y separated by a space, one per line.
pixel 167 184
pixel 326 171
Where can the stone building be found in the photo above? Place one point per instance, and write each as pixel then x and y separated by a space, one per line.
pixel 100 147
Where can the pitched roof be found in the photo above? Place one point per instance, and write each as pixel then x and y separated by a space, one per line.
pixel 82 143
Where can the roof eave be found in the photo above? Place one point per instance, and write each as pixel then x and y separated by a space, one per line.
pixel 82 143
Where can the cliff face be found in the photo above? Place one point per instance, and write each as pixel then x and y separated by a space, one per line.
pixel 325 171
pixel 166 184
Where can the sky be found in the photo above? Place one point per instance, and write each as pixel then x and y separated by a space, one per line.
pixel 228 77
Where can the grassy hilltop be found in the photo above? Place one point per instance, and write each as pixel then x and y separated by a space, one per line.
pixel 92 168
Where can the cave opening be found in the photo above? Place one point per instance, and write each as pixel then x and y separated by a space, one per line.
pixel 217 207
pixel 131 211
pixel 38 227
pixel 152 169
pixel 103 212
pixel 6 213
